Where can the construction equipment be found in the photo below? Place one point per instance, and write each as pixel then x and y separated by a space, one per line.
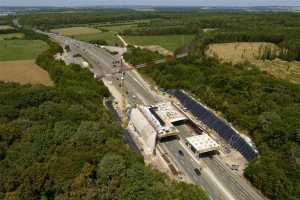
pixel 149 64
pixel 122 71
pixel 124 97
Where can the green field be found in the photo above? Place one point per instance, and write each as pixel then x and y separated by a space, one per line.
pixel 170 42
pixel 117 27
pixel 109 37
pixel 21 49
pixel 6 27
pixel 11 35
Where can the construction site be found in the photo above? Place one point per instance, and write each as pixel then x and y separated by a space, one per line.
pixel 166 121
pixel 173 132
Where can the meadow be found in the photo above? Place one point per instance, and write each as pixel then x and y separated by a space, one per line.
pixel 238 52
pixel 109 37
pixel 21 49
pixel 6 27
pixel 169 42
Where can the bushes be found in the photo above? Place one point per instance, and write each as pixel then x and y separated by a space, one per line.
pixel 98 42
pixel 8 31
pixel 137 56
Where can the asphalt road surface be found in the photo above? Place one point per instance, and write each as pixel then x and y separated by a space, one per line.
pixel 214 178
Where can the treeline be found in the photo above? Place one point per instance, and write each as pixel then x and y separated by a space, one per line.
pixel 281 29
pixel 46 21
pixel 266 108
pixel 137 56
pixel 98 42
pixel 5 20
pixel 173 30
pixel 290 45
pixel 61 143
pixel 31 35
pixel 8 31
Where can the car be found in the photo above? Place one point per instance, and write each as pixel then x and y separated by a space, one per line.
pixel 180 153
pixel 234 167
pixel 197 171
pixel 184 109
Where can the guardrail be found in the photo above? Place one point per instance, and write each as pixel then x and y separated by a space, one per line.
pixel 229 134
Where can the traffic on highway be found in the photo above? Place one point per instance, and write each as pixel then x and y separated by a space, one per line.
pixel 209 173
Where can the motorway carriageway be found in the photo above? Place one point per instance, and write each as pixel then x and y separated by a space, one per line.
pixel 137 94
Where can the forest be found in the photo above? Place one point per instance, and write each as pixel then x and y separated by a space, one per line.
pixel 53 20
pixel 266 109
pixel 61 143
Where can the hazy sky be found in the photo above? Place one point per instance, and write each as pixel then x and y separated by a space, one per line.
pixel 150 2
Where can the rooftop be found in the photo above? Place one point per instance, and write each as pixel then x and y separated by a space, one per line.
pixel 162 116
pixel 169 113
pixel 202 143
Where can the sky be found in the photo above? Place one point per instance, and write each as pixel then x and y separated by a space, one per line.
pixel 150 2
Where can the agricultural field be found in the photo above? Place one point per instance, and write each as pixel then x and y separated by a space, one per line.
pixel 75 31
pixel 169 42
pixel 240 51
pixel 21 49
pixel 24 72
pixel 252 52
pixel 109 37
pixel 281 69
pixel 6 27
pixel 11 35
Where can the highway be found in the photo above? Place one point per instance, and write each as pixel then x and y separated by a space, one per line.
pixel 216 179
pixel 102 61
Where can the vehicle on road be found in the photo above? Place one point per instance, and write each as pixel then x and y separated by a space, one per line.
pixel 180 153
pixel 197 171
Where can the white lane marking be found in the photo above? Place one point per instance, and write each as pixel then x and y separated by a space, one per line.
pixel 211 175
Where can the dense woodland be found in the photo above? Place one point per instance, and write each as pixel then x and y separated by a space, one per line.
pixel 61 143
pixel 50 20
pixel 266 109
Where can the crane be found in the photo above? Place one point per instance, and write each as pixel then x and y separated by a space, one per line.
pixel 123 70
pixel 124 119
